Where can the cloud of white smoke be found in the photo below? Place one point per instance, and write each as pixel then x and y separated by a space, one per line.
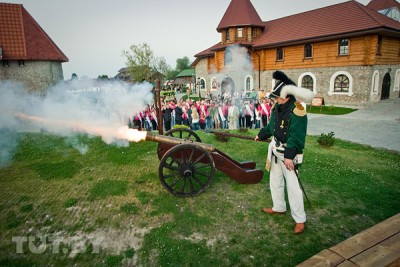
pixel 91 107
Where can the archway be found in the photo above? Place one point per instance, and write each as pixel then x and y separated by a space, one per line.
pixel 385 87
pixel 227 87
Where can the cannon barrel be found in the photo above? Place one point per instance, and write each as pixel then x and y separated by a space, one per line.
pixel 246 137
pixel 176 141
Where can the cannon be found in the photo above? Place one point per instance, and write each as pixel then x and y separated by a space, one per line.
pixel 187 166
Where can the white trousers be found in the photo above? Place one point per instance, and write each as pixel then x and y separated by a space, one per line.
pixel 277 178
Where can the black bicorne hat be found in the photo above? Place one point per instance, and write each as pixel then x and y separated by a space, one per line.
pixel 285 87
pixel 281 80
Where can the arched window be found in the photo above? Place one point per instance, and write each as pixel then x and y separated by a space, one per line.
pixel 248 83
pixel 202 84
pixel 279 54
pixel 397 81
pixel 307 82
pixel 227 57
pixel 343 47
pixel 308 51
pixel 342 84
pixel 375 83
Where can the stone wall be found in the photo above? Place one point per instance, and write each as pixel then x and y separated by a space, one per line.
pixel 35 75
pixel 361 78
pixel 362 89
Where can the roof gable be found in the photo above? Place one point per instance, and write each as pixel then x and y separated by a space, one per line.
pixel 378 5
pixel 240 13
pixel 22 38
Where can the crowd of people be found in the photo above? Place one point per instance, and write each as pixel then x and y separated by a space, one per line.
pixel 249 110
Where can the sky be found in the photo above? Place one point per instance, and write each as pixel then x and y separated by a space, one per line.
pixel 93 34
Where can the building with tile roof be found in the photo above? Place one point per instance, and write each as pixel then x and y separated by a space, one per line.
pixel 27 53
pixel 389 8
pixel 347 53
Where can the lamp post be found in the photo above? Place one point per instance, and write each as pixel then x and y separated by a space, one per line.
pixel 194 84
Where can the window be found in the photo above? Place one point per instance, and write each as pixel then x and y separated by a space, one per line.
pixel 227 34
pixel 214 83
pixel 343 47
pixel 227 57
pixel 397 81
pixel 279 54
pixel 240 32
pixel 375 83
pixel 253 32
pixel 307 82
pixel 202 84
pixel 379 45
pixel 248 83
pixel 308 51
pixel 342 84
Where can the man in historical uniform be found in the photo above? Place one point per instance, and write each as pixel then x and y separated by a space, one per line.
pixel 288 127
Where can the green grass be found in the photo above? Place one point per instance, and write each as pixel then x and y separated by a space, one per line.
pixel 106 188
pixel 114 194
pixel 329 110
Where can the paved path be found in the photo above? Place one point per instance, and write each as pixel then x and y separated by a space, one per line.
pixel 377 125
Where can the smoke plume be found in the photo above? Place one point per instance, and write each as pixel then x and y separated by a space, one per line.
pixel 89 107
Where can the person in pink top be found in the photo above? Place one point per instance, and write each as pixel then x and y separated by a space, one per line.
pixel 265 111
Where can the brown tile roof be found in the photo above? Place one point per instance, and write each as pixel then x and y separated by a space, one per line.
pixel 348 18
pixel 21 37
pixel 383 4
pixel 240 13
pixel 329 22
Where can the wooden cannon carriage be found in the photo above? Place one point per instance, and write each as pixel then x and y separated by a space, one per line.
pixel 187 166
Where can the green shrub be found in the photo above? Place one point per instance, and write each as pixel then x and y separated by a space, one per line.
pixel 168 94
pixel 326 139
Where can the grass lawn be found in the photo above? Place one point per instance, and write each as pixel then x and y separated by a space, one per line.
pixel 329 110
pixel 108 207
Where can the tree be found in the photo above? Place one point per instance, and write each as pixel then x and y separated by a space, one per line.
pixel 171 74
pixel 102 77
pixel 160 64
pixel 182 64
pixel 141 62
pixel 74 76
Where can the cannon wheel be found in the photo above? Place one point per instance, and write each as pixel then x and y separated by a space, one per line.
pixel 183 133
pixel 186 170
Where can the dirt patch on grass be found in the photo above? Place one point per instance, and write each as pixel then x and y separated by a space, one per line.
pixel 210 241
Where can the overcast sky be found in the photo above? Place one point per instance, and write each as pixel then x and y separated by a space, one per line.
pixel 94 33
